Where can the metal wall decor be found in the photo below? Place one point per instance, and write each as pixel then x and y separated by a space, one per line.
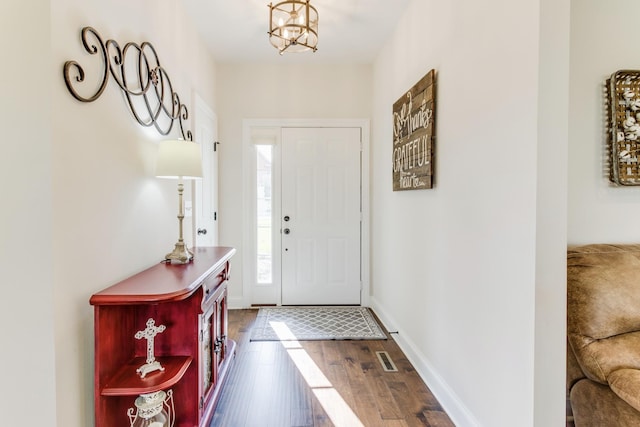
pixel 623 127
pixel 137 71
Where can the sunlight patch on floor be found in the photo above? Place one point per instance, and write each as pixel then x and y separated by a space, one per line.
pixel 337 409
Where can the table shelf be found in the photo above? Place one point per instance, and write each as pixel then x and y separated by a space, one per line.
pixel 127 382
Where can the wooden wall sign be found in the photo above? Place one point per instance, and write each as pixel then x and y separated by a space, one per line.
pixel 413 133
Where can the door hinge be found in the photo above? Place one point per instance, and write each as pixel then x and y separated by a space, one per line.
pixel 215 216
pixel 215 145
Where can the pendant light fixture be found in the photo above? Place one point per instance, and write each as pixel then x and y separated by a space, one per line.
pixel 293 26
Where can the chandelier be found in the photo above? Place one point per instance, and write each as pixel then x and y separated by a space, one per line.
pixel 293 26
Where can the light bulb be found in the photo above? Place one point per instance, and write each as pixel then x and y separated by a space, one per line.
pixel 286 33
pixel 301 20
pixel 280 22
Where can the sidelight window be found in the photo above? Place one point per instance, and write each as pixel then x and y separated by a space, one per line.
pixel 264 210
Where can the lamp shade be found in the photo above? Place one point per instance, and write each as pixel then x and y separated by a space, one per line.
pixel 179 159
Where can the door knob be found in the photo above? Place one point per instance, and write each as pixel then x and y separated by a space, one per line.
pixel 286 217
pixel 286 231
pixel 202 231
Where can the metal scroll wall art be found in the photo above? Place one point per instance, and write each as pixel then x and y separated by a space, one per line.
pixel 137 71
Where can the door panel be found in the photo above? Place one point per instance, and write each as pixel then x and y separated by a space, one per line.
pixel 321 197
pixel 206 200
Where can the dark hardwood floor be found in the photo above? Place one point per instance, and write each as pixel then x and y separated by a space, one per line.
pixel 274 386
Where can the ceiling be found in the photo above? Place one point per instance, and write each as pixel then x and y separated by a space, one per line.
pixel 350 31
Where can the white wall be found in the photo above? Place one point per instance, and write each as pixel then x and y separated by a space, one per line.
pixel 259 91
pixel 551 229
pixel 111 216
pixel 454 269
pixel 603 40
pixel 26 305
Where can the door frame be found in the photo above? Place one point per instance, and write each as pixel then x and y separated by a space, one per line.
pixel 268 131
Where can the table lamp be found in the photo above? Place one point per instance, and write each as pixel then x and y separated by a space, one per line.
pixel 182 160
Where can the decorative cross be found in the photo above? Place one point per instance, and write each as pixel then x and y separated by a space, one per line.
pixel 149 334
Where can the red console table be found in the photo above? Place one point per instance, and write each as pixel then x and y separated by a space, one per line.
pixel 190 300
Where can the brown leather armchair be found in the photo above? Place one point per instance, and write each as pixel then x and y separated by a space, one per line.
pixel 603 333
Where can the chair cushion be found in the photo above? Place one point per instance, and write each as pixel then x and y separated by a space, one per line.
pixel 596 405
pixel 626 384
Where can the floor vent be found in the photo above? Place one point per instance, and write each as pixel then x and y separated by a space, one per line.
pixel 386 362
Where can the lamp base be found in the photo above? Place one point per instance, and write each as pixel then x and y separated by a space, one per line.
pixel 180 255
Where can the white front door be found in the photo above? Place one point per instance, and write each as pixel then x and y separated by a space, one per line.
pixel 321 216
pixel 206 189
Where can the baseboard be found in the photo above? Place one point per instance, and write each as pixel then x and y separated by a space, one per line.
pixel 451 403
pixel 236 303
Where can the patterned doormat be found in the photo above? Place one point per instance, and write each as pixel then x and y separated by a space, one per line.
pixel 315 323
